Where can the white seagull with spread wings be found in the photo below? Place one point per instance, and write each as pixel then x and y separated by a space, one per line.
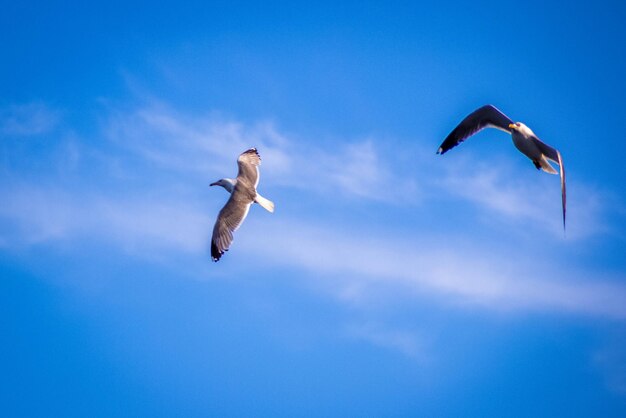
pixel 242 194
pixel 524 140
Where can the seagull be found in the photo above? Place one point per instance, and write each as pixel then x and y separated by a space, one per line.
pixel 523 137
pixel 242 194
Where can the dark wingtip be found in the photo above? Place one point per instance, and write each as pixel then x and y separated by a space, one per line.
pixel 215 252
pixel 254 150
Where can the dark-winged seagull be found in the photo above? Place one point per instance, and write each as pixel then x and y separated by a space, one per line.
pixel 242 194
pixel 524 140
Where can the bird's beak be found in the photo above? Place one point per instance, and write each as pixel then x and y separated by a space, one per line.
pixel 213 184
pixel 512 125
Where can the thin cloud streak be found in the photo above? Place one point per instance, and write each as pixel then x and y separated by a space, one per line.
pixel 404 342
pixel 435 265
pixel 36 215
pixel 204 146
pixel 148 222
pixel 208 145
pixel 611 361
pixel 28 119
pixel 527 196
pixel 423 267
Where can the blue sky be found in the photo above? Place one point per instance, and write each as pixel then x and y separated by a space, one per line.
pixel 390 281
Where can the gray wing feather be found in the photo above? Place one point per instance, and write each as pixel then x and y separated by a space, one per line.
pixel 248 163
pixel 483 117
pixel 229 219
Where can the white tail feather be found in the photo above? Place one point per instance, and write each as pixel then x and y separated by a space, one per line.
pixel 266 203
pixel 546 166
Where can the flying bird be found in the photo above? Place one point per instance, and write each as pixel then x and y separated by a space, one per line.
pixel 242 194
pixel 523 137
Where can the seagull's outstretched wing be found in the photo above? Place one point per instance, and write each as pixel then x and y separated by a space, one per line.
pixel 248 163
pixel 487 116
pixel 229 219
pixel 555 156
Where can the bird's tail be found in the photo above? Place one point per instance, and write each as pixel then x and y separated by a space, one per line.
pixel 546 166
pixel 266 203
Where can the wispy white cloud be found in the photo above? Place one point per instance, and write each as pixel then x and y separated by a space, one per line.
pixel 33 215
pixel 189 144
pixel 610 360
pixel 402 341
pixel 141 224
pixel 454 267
pixel 443 266
pixel 208 145
pixel 432 265
pixel 28 119
pixel 526 196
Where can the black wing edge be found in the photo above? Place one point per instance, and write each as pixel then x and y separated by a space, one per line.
pixel 251 151
pixel 216 254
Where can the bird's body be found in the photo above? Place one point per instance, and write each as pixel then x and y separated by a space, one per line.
pixel 523 138
pixel 525 141
pixel 242 194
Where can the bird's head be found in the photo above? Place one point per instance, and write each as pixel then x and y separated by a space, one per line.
pixel 228 184
pixel 521 128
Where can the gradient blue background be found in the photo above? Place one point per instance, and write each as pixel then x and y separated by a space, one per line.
pixel 389 281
